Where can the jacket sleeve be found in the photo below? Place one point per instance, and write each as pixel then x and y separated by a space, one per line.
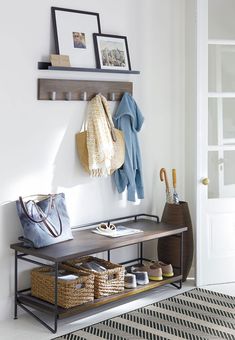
pixel 120 179
pixel 125 177
pixel 139 184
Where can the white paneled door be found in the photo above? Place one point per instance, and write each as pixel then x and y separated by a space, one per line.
pixel 216 145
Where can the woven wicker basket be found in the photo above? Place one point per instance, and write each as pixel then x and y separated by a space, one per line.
pixel 106 283
pixel 70 293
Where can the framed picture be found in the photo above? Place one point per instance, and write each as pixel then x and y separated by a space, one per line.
pixel 111 52
pixel 74 35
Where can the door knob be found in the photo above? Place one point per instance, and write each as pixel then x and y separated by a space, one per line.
pixel 205 181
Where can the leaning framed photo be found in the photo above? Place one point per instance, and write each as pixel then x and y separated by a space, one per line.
pixel 111 52
pixel 73 32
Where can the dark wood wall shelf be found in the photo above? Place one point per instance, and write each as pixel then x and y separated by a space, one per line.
pixel 85 243
pixel 47 66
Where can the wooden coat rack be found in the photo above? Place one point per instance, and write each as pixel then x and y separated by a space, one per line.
pixel 63 89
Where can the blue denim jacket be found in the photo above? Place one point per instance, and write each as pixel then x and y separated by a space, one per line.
pixel 129 119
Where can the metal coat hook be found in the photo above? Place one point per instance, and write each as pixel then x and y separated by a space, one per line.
pixel 81 90
pixel 112 96
pixel 53 95
pixel 84 95
pixel 68 95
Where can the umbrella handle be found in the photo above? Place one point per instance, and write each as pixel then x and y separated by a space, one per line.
pixel 174 178
pixel 163 177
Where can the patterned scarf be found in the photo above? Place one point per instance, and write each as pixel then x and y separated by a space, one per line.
pixel 99 140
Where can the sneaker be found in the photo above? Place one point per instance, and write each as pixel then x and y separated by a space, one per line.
pixel 138 268
pixel 130 280
pixel 141 273
pixel 155 272
pixel 141 277
pixel 167 270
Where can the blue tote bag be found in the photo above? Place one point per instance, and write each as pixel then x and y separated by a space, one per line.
pixel 45 219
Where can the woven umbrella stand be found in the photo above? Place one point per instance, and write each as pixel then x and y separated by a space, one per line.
pixel 168 248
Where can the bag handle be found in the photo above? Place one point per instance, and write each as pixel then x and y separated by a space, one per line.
pixel 28 215
pixel 84 125
pixel 50 227
pixel 44 217
pixel 110 123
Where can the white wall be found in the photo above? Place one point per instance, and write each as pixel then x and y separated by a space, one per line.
pixel 37 137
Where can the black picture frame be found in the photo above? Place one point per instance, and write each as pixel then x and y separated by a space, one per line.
pixel 111 52
pixel 73 32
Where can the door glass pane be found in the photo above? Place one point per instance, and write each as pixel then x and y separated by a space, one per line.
pixel 212 71
pixel 229 169
pixel 212 122
pixel 221 171
pixel 221 23
pixel 229 120
pixel 221 68
pixel 213 187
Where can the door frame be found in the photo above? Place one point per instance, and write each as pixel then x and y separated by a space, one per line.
pixel 202 124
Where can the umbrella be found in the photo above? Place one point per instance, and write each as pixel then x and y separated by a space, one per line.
pixel 175 195
pixel 163 177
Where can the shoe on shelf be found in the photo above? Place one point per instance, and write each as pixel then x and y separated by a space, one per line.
pixel 141 273
pixel 141 277
pixel 167 270
pixel 155 272
pixel 138 268
pixel 130 280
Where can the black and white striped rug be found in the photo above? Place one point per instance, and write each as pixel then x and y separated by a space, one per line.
pixel 196 314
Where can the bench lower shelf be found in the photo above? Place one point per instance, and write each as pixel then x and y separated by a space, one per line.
pixel 33 302
pixel 85 243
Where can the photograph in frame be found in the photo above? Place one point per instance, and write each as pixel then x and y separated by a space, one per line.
pixel 112 52
pixel 73 31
